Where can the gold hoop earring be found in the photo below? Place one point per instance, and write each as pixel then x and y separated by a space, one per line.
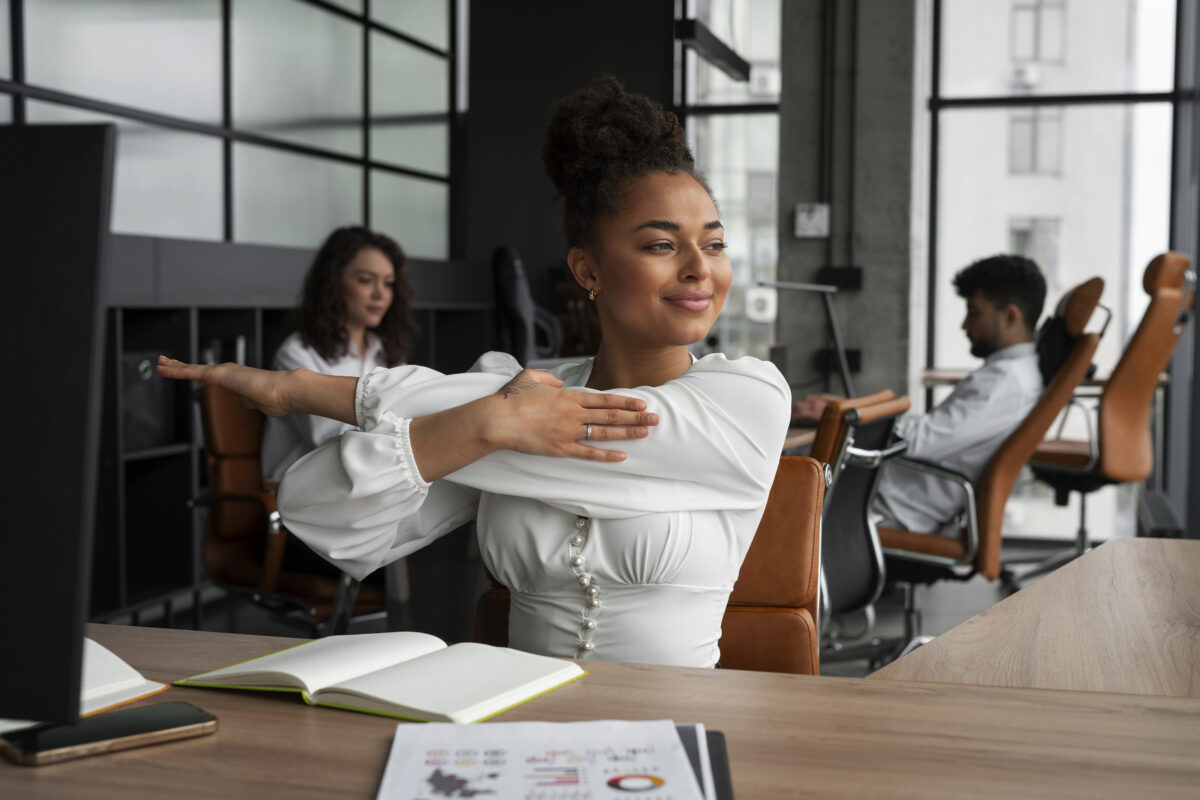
pixel 592 295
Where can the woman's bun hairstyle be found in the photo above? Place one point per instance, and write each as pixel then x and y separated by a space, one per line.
pixel 599 139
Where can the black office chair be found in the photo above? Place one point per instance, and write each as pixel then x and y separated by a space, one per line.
pixel 852 564
pixel 520 318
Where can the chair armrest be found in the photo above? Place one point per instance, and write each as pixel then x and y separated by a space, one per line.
pixel 265 499
pixel 869 459
pixel 275 539
pixel 938 471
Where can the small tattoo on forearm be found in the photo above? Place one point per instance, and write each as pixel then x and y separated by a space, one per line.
pixel 515 386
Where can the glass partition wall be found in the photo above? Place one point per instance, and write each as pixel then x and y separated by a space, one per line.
pixel 1051 137
pixel 251 121
pixel 733 129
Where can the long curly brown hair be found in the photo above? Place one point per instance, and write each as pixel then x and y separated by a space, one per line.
pixel 600 138
pixel 322 314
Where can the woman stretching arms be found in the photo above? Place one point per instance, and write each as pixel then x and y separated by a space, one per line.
pixel 616 496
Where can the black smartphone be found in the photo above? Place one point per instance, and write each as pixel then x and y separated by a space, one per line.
pixel 104 733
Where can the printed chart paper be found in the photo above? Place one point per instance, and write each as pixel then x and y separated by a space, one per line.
pixel 539 761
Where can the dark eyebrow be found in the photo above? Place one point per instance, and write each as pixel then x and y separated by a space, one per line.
pixel 659 224
pixel 668 225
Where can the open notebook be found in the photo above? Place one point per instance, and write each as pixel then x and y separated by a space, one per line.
pixel 107 681
pixel 399 674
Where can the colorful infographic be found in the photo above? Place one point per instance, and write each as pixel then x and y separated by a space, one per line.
pixel 539 761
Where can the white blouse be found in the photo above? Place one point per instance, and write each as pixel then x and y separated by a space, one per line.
pixel 628 561
pixel 287 438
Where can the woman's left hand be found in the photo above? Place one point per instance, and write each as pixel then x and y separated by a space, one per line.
pixel 531 414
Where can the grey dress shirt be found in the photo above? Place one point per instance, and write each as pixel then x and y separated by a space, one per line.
pixel 961 433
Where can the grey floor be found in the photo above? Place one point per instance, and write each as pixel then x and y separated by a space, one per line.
pixel 447 579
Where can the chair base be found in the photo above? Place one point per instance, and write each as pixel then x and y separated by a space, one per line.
pixel 880 651
pixel 1013 580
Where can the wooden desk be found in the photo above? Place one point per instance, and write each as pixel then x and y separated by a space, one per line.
pixel 788 735
pixel 1124 617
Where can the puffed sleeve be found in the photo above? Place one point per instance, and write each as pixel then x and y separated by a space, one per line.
pixel 716 447
pixel 359 499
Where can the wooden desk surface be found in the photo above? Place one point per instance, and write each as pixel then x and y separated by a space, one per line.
pixel 788 735
pixel 1125 617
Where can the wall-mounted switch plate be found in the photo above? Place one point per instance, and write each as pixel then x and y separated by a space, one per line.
pixel 812 221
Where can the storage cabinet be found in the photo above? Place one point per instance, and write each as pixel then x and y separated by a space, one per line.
pixel 147 552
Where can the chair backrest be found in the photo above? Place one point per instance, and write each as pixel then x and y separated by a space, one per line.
pixel 519 316
pixel 850 553
pixel 770 621
pixel 232 441
pixel 1001 473
pixel 832 429
pixel 1126 451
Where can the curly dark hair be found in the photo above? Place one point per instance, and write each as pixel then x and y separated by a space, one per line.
pixel 599 139
pixel 1005 279
pixel 321 316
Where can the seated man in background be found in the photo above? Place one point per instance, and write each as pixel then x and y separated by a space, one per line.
pixel 1004 296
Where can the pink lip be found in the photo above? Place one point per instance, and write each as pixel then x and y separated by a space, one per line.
pixel 691 301
pixel 374 309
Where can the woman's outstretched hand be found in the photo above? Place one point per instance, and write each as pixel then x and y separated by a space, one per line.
pixel 259 388
pixel 531 414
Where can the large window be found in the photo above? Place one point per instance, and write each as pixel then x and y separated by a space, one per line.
pixel 733 128
pixel 1055 142
pixel 258 121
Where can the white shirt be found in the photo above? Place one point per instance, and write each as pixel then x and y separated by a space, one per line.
pixel 962 433
pixel 661 535
pixel 287 438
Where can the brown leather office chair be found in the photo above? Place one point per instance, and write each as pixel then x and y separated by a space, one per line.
pixel 1121 449
pixel 245 543
pixel 771 622
pixel 924 557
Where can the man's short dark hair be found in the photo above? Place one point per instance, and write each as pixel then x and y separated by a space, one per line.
pixel 1005 279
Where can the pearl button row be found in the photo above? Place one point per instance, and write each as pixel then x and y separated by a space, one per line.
pixel 591 592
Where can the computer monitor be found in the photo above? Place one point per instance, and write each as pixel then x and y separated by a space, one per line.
pixel 55 198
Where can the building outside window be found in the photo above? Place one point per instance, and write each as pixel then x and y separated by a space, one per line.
pixel 1037 239
pixel 1038 30
pixel 1035 140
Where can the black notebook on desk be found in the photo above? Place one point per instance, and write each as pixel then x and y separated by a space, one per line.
pixel 718 758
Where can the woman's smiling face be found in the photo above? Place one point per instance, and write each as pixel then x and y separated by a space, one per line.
pixel 659 266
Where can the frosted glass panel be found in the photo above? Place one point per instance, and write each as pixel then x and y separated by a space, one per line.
pixel 297 74
pixel 1050 47
pixel 415 212
pixel 166 183
pixel 409 97
pixel 427 20
pixel 5 44
pixel 160 55
pixel 5 109
pixel 282 198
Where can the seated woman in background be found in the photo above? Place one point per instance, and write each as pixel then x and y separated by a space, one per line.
pixel 355 315
pixel 617 496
